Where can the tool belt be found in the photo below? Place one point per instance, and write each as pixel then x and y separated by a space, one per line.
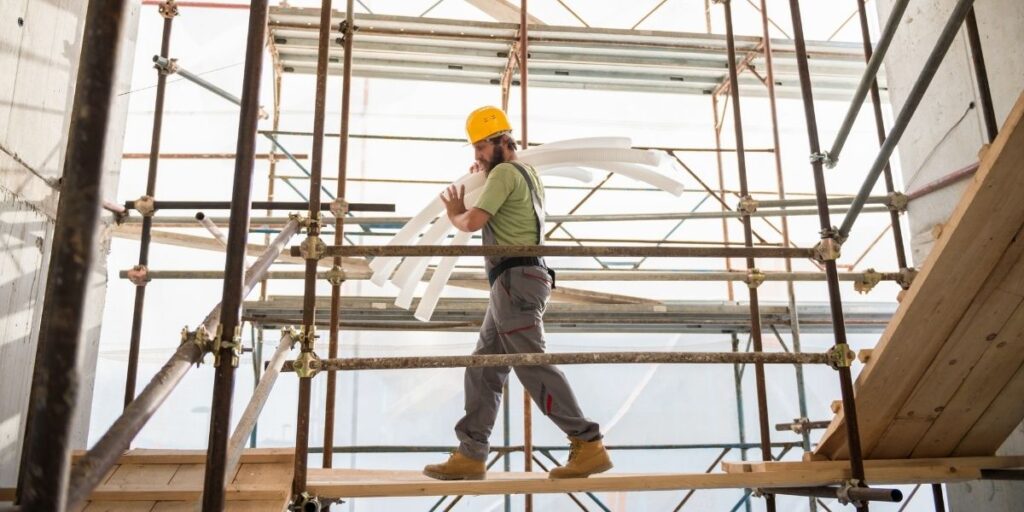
pixel 508 263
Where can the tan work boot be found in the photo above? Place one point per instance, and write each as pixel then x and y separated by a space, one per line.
pixel 458 467
pixel 585 458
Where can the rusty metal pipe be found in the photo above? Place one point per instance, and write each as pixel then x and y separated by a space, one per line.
pixel 234 264
pixel 980 74
pixel 748 242
pixel 835 301
pixel 55 379
pixel 562 250
pixel 212 228
pixel 147 221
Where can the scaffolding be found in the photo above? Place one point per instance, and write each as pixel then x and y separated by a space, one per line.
pixel 487 53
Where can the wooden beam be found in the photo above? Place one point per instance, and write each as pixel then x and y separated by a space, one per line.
pixel 960 462
pixel 979 232
pixel 349 483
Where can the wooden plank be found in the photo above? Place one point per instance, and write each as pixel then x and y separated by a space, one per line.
pixel 993 371
pixel 161 456
pixel 267 474
pixel 247 492
pixel 987 319
pixel 230 506
pixel 979 231
pixel 1003 415
pixel 346 483
pixel 119 506
pixel 129 475
pixel 961 462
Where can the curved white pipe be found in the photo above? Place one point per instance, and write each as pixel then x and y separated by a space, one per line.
pixel 588 142
pixel 444 269
pixel 643 174
pixel 558 156
pixel 575 173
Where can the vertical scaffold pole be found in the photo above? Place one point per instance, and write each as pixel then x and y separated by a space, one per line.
pixel 828 236
pixel 337 273
pixel 227 339
pixel 748 241
pixel 45 471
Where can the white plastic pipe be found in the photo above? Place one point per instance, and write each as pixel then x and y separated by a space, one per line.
pixel 560 156
pixel 444 269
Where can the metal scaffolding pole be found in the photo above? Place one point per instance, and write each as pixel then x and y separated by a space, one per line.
pixel 307 338
pixel 876 104
pixel 867 80
pixel 348 30
pixel 794 316
pixel 828 252
pixel 914 97
pixel 227 338
pixel 524 54
pixel 55 378
pixel 748 241
pixel 981 75
pixel 544 358
pixel 168 10
pixel 555 250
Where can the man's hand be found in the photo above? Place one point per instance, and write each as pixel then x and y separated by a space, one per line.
pixel 455 200
pixel 470 220
pixel 476 167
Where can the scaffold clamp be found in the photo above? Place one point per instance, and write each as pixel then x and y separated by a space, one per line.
pixel 748 205
pixel 335 276
pixel 307 365
pixel 843 493
pixel 868 280
pixel 339 207
pixel 168 9
pixel 312 248
pixel 829 247
pixel 306 502
pixel 139 275
pixel 754 278
pixel 145 205
pixel 906 277
pixel 897 201
pixel 840 356
pixel 234 343
pixel 292 333
pixel 824 158
pixel 200 338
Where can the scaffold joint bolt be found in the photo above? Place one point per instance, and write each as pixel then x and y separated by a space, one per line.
pixel 843 493
pixel 827 249
pixel 139 275
pixel 312 248
pixel 168 9
pixel 234 343
pixel 906 277
pixel 748 205
pixel 290 332
pixel 757 492
pixel 897 201
pixel 840 356
pixel 339 207
pixel 145 205
pixel 307 365
pixel 335 276
pixel 200 338
pixel 164 66
pixel 307 337
pixel 824 158
pixel 868 280
pixel 754 278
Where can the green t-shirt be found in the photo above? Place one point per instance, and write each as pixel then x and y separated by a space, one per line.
pixel 506 197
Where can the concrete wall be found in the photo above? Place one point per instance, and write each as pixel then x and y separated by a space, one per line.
pixel 40 43
pixel 945 135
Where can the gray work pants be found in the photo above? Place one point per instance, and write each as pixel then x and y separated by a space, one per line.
pixel 514 324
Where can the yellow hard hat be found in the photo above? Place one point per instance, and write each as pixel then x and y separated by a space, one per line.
pixel 486 122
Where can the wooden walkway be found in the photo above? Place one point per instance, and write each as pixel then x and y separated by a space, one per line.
pixel 947 376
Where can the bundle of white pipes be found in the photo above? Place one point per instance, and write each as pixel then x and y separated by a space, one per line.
pixel 569 159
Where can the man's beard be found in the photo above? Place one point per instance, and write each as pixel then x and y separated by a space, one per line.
pixel 497 158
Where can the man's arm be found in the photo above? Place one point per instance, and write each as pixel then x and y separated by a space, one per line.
pixel 468 220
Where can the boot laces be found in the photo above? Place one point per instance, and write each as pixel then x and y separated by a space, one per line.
pixel 574 449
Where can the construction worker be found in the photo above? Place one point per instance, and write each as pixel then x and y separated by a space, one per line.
pixel 511 212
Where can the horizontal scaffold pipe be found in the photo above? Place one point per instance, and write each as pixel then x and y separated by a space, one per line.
pixel 261 205
pixel 551 448
pixel 563 275
pixel 259 222
pixel 560 250
pixel 540 359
